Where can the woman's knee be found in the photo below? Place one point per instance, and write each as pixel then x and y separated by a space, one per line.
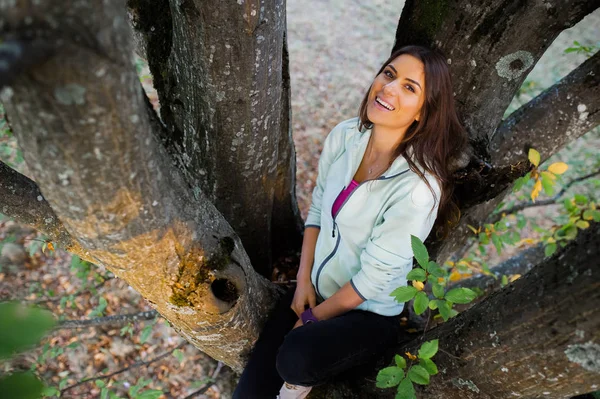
pixel 296 363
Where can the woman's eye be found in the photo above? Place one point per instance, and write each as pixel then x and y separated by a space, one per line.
pixel 409 87
pixel 388 74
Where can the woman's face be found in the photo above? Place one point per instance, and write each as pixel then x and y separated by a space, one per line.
pixel 397 93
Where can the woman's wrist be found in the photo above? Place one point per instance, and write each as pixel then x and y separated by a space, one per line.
pixel 303 276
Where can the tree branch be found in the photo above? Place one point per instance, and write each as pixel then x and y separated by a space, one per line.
pixel 549 201
pixel 131 367
pixel 22 200
pixel 108 320
pixel 560 114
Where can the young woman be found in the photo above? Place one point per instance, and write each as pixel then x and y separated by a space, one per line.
pixel 383 177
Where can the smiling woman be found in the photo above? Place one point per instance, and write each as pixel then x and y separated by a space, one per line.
pixel 356 247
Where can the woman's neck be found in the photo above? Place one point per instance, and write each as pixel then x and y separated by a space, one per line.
pixel 384 141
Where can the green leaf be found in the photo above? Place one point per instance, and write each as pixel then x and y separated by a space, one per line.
pixel 460 295
pixel 548 185
pixel 100 383
pixel 418 375
pixel 429 365
pixel 581 199
pixel 497 242
pixel 438 290
pixel 104 393
pixel 433 305
pixel 550 249
pixel 152 394
pixel 419 251
pixel 406 390
pixel 436 270
pixel 484 239
pixel 421 303
pixel 21 386
pixel 444 309
pixel 428 349
pixel 400 361
pixel 22 327
pixel 404 294
pixel 389 377
pixel 519 183
pixel 417 274
pixel 50 391
pixel 504 280
pixel 178 353
pixel 145 334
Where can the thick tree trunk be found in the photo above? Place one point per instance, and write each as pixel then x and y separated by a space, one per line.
pixel 220 69
pixel 91 140
pixel 536 338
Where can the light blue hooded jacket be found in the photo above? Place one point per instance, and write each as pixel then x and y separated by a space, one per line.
pixel 368 242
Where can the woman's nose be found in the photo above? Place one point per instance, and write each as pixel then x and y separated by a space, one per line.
pixel 389 89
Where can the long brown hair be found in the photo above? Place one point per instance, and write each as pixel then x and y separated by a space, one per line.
pixel 437 137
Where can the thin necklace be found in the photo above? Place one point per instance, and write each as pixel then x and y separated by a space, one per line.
pixel 370 170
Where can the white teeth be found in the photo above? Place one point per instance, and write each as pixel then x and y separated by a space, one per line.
pixel 386 105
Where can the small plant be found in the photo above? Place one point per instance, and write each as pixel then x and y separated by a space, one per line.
pixel 430 272
pixel 580 49
pixel 404 374
pixel 545 179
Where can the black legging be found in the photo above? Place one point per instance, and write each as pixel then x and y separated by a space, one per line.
pixel 315 353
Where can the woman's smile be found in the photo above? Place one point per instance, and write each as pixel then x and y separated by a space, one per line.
pixel 383 105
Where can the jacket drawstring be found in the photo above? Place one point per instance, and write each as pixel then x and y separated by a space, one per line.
pixel 333 231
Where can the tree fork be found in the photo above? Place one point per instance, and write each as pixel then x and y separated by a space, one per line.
pixel 223 92
pixel 90 140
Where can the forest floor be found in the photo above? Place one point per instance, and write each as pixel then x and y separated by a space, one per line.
pixel 335 49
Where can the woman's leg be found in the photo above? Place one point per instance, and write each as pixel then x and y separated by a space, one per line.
pixel 316 353
pixel 260 379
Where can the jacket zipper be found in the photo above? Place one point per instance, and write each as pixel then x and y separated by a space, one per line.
pixel 337 243
pixel 335 225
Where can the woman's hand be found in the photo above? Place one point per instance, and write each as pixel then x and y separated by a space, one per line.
pixel 304 295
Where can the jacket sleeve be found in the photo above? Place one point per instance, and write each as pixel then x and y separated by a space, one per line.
pixel 388 254
pixel 331 151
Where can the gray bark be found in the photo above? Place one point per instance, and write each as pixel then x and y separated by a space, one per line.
pixel 91 141
pixel 220 69
pixel 559 115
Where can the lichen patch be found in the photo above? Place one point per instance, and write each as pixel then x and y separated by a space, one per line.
pixel 513 65
pixel 586 355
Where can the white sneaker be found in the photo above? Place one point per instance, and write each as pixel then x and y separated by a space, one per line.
pixel 289 391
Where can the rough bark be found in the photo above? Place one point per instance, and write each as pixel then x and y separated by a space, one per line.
pixel 220 69
pixel 23 201
pixel 91 141
pixel 560 114
pixel 536 338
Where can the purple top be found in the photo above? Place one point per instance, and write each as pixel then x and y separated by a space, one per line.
pixel 337 204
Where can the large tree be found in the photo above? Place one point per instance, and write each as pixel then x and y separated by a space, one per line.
pixel 190 208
